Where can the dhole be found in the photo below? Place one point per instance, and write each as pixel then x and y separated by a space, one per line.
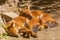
pixel 44 19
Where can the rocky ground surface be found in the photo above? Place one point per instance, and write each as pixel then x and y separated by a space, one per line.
pixel 47 34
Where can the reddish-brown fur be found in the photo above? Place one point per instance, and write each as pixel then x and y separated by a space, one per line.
pixel 45 17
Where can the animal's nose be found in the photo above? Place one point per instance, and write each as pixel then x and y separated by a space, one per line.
pixel 52 24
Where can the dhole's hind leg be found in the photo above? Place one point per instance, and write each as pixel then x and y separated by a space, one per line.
pixel 26 35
